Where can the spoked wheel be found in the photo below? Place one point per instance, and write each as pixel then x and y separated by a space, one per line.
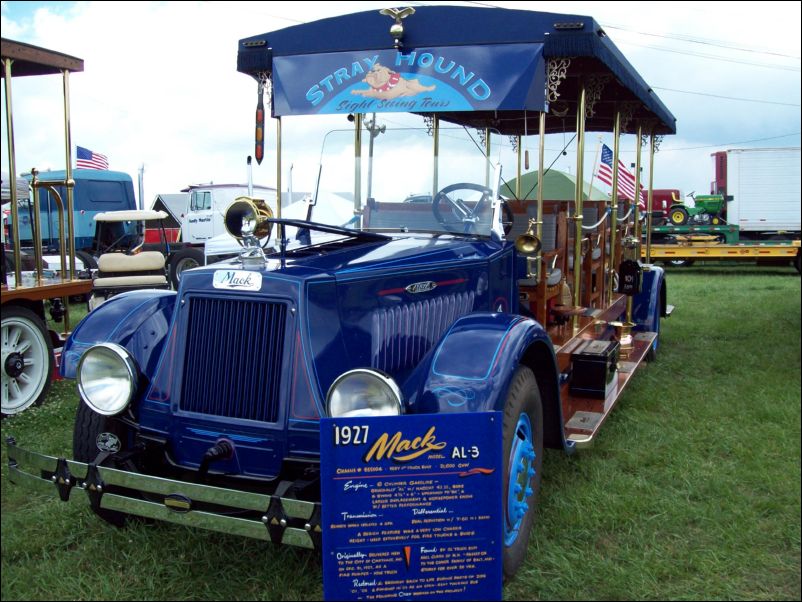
pixel 27 360
pixel 523 452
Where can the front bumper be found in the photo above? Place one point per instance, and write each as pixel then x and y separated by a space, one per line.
pixel 273 518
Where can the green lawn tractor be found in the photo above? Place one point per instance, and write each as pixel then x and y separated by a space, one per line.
pixel 708 209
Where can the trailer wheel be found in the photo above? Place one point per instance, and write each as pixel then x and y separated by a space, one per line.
pixel 27 360
pixel 92 430
pixel 185 259
pixel 680 263
pixel 523 454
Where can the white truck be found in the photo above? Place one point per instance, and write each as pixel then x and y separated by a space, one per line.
pixel 202 220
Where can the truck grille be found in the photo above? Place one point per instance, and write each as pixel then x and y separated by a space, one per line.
pixel 233 356
pixel 403 335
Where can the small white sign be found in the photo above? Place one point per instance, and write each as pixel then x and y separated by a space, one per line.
pixel 237 280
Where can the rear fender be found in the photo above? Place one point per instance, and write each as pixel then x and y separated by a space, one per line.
pixel 138 321
pixel 650 304
pixel 471 368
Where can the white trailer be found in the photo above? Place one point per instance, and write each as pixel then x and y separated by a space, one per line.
pixel 765 187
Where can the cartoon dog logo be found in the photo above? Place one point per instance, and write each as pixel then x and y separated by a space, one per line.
pixel 385 83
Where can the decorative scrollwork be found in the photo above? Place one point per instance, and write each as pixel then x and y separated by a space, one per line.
pixel 265 87
pixel 658 140
pixel 428 121
pixel 627 112
pixel 593 91
pixel 482 136
pixel 514 143
pixel 557 71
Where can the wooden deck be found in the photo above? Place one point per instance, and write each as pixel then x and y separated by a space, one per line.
pixel 46 288
pixel 583 416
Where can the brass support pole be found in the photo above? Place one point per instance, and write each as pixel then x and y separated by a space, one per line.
pixel 487 157
pixel 614 201
pixel 579 191
pixel 436 144
pixel 636 210
pixel 518 178
pixel 650 200
pixel 69 185
pixel 12 175
pixel 358 169
pixel 36 230
pixel 280 229
pixel 541 161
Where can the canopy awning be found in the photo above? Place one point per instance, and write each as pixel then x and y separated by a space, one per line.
pixel 479 67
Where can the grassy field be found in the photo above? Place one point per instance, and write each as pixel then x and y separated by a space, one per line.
pixel 691 492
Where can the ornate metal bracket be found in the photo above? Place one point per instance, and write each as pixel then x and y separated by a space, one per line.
pixel 627 113
pixel 514 143
pixel 428 121
pixel 594 86
pixel 557 71
pixel 265 87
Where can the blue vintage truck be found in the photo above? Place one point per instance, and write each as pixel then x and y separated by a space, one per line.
pixel 95 191
pixel 202 406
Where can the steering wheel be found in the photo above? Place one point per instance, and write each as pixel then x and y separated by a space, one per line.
pixel 461 214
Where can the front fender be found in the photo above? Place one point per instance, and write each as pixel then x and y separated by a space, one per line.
pixel 471 367
pixel 137 320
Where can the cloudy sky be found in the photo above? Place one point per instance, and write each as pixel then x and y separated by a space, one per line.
pixel 160 86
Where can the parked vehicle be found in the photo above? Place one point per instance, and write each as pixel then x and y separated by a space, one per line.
pixel 706 209
pixel 208 400
pixel 202 221
pixel 121 261
pixel 28 357
pixel 95 191
pixel 752 213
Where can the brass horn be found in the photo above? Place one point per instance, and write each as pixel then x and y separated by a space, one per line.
pixel 246 217
pixel 528 244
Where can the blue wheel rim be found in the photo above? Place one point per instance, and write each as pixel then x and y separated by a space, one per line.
pixel 521 468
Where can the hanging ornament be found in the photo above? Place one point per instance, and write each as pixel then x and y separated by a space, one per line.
pixel 259 134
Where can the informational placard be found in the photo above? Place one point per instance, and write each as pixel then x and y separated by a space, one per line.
pixel 412 507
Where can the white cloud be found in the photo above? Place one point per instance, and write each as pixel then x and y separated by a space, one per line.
pixel 160 85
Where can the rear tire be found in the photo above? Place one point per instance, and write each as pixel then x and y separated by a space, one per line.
pixel 185 259
pixel 27 360
pixel 523 455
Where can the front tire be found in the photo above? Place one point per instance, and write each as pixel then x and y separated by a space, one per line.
pixel 90 429
pixel 27 360
pixel 523 453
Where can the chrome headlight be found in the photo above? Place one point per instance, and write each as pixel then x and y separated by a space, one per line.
pixel 363 392
pixel 107 378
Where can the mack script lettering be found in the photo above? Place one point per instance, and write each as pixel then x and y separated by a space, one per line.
pixel 394 448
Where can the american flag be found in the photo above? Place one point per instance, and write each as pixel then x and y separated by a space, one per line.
pixel 87 159
pixel 626 181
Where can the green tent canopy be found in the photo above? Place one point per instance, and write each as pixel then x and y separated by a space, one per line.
pixel 559 186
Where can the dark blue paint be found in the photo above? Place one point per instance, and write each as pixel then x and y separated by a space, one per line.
pixel 447 347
